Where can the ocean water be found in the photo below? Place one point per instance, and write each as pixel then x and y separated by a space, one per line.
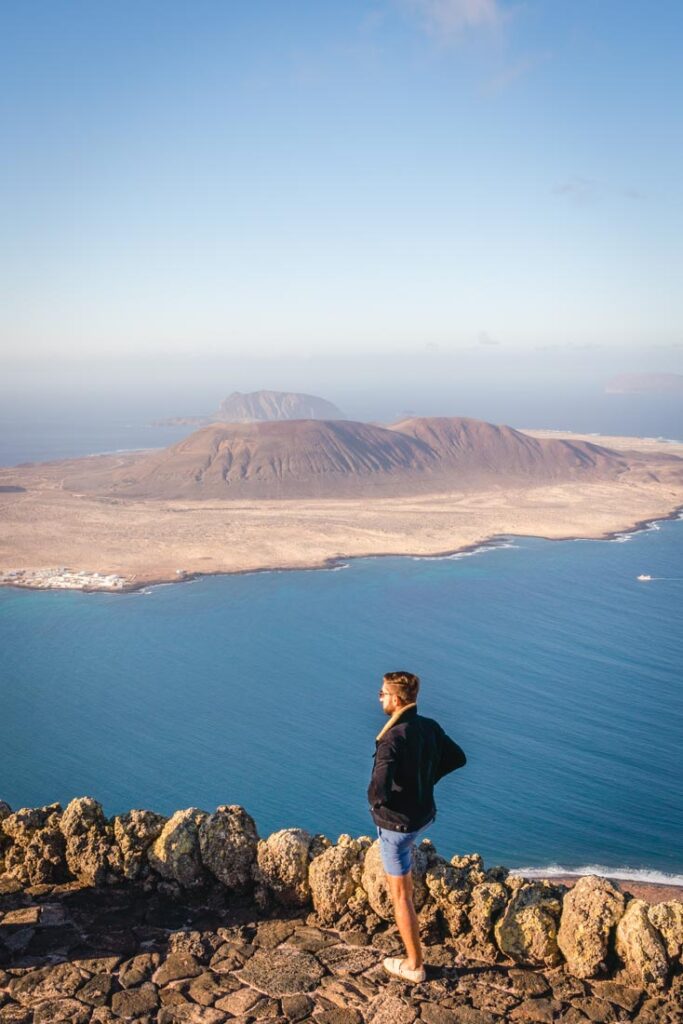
pixel 554 668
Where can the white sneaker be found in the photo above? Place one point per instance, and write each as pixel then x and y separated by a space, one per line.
pixel 396 966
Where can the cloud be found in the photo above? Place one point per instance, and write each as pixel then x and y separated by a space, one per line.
pixel 448 18
pixel 578 189
pixel 582 191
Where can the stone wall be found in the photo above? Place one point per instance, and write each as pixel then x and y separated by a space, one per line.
pixel 594 929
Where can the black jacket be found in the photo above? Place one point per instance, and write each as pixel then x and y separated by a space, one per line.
pixel 411 754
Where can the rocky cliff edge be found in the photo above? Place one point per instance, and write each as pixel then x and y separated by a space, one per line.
pixel 196 918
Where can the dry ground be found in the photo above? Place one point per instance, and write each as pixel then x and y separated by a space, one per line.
pixel 43 525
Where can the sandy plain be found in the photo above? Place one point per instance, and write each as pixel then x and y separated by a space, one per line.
pixel 44 526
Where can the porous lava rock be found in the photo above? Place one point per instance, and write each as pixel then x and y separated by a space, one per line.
pixel 91 850
pixel 132 1003
pixel 374 881
pixel 333 876
pixel 227 842
pixel 527 929
pixel 5 811
pixel 61 1011
pixel 470 868
pixel 282 866
pixel 488 900
pixel 281 972
pixel 55 982
pixel 175 854
pixel 135 832
pixel 341 959
pixel 590 911
pixel 641 948
pixel 388 1008
pixel 449 889
pixel 667 918
pixel 35 852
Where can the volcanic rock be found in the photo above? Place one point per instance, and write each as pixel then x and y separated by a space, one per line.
pixel 175 854
pixel 134 1002
pixel 37 852
pixel 333 458
pixel 527 930
pixel 275 405
pixel 135 832
pixel 331 881
pixel 47 983
pixel 488 899
pixel 280 972
pixel 590 911
pixel 342 959
pixel 91 850
pixel 283 860
pixel 641 948
pixel 227 841
pixel 667 918
pixel 61 1011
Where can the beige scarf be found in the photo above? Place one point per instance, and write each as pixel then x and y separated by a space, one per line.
pixel 395 717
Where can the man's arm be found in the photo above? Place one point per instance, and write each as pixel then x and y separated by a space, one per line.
pixel 452 757
pixel 382 775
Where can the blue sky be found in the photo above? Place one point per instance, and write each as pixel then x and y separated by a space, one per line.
pixel 289 178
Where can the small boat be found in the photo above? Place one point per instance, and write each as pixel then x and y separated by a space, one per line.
pixel 643 577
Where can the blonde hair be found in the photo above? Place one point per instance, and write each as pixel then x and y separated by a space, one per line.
pixel 404 684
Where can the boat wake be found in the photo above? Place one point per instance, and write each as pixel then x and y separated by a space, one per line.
pixel 655 579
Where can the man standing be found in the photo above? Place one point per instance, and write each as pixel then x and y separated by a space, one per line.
pixel 411 754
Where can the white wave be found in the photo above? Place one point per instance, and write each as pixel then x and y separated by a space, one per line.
pixel 457 555
pixel 623 873
pixel 648 527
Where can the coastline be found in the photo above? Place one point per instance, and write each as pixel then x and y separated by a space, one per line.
pixel 340 561
pixel 141 543
pixel 651 892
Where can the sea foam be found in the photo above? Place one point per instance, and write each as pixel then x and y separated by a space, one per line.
pixel 623 873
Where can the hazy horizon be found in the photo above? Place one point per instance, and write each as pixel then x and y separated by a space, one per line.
pixel 82 407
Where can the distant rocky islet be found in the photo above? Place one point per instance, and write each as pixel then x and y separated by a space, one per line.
pixel 254 406
pixel 645 384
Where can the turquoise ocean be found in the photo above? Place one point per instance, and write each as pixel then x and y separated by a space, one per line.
pixel 554 668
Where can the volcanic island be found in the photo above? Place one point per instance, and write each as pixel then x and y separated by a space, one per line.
pixel 244 497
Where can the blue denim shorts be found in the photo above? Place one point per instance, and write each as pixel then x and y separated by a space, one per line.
pixel 396 849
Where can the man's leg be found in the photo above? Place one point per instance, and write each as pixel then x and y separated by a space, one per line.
pixel 401 889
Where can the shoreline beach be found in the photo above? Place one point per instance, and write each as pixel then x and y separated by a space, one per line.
pixel 341 562
pixel 651 892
